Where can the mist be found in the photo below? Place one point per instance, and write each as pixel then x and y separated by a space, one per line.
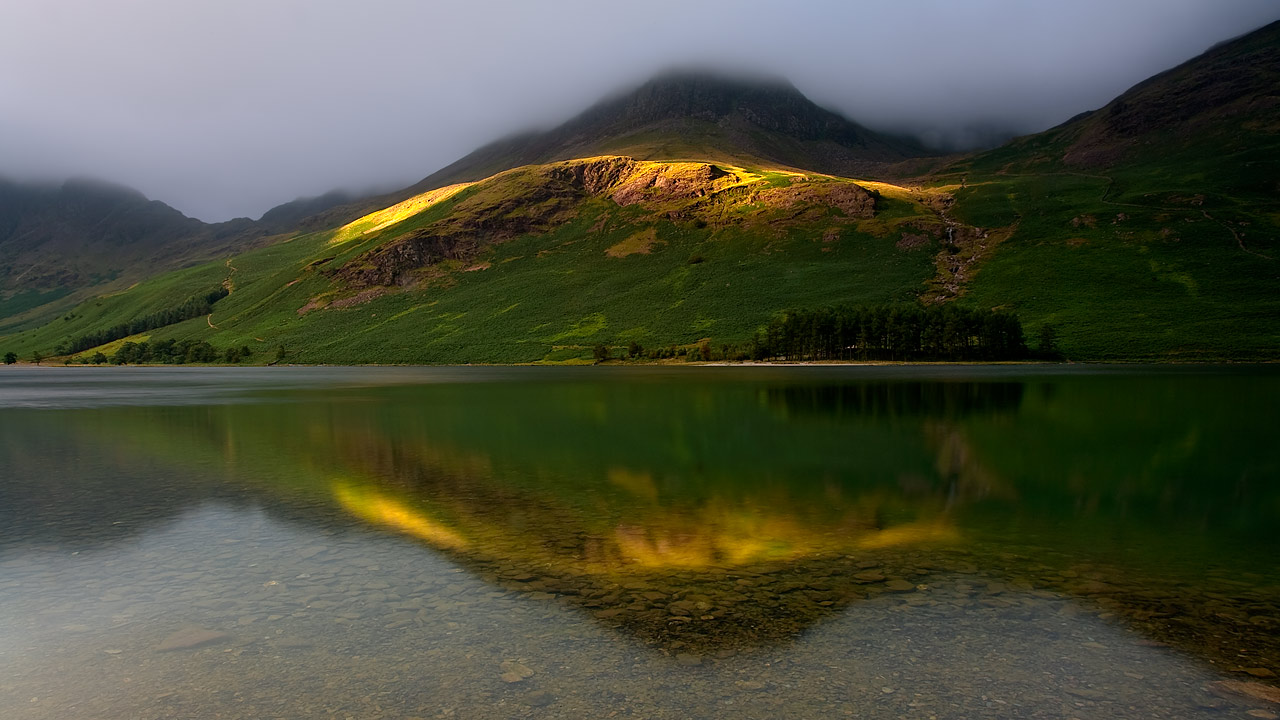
pixel 228 108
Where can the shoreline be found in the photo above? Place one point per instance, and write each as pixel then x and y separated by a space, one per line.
pixel 714 363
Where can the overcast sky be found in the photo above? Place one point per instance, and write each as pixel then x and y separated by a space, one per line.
pixel 225 108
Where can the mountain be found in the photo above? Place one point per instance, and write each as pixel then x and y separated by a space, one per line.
pixel 62 242
pixel 697 116
pixel 1223 102
pixel 538 263
pixel 288 216
pixel 85 222
pixel 687 216
pixel 1147 228
pixel 57 239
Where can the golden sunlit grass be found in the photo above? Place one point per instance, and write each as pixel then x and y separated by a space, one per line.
pixel 896 192
pixel 675 171
pixel 640 243
pixel 387 217
pixel 111 348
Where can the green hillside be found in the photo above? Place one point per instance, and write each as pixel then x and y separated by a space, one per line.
pixel 1158 276
pixel 61 244
pixel 1147 228
pixel 656 253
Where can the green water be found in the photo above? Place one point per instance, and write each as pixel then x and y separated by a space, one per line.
pixel 936 542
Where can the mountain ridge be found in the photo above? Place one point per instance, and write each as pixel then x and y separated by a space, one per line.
pixel 730 118
pixel 60 240
pixel 1226 98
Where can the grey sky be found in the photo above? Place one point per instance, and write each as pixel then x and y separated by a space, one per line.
pixel 228 107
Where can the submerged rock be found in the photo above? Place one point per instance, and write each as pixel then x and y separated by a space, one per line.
pixel 1255 690
pixel 191 637
pixel 899 585
pixel 540 698
pixel 688 659
pixel 514 671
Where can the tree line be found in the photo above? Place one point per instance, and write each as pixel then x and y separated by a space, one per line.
pixel 891 332
pixel 173 352
pixel 194 307
pixel 883 332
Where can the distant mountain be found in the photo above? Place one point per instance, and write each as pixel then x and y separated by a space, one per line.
pixel 58 241
pixel 59 236
pixel 1226 98
pixel 1223 102
pixel 288 216
pixel 1148 227
pixel 697 116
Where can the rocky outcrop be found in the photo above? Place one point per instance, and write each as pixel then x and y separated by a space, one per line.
pixel 387 265
pixel 536 199
pixel 680 181
pixel 596 175
pixel 851 199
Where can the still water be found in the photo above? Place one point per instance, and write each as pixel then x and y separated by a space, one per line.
pixel 999 542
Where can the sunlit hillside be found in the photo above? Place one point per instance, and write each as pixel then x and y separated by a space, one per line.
pixel 1145 230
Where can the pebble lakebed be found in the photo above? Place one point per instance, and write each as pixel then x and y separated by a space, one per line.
pixel 232 614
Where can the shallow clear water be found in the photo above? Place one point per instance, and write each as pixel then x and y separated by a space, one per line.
pixel 942 542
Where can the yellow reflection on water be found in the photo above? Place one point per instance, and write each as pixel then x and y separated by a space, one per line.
pixel 936 531
pixel 374 507
pixel 712 534
pixel 640 484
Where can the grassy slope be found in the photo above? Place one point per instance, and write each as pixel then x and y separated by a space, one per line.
pixel 548 296
pixel 1167 257
pixel 1173 255
pixel 1150 227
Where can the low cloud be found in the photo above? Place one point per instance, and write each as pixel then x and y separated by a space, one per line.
pixel 226 109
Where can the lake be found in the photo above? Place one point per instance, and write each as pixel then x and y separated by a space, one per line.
pixel 742 542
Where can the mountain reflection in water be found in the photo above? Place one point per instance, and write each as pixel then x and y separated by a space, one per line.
pixel 717 517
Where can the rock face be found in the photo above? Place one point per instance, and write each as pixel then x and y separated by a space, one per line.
pixel 676 182
pixel 419 249
pixel 850 199
pixel 597 175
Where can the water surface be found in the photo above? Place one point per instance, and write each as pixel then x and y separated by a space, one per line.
pixel 949 542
